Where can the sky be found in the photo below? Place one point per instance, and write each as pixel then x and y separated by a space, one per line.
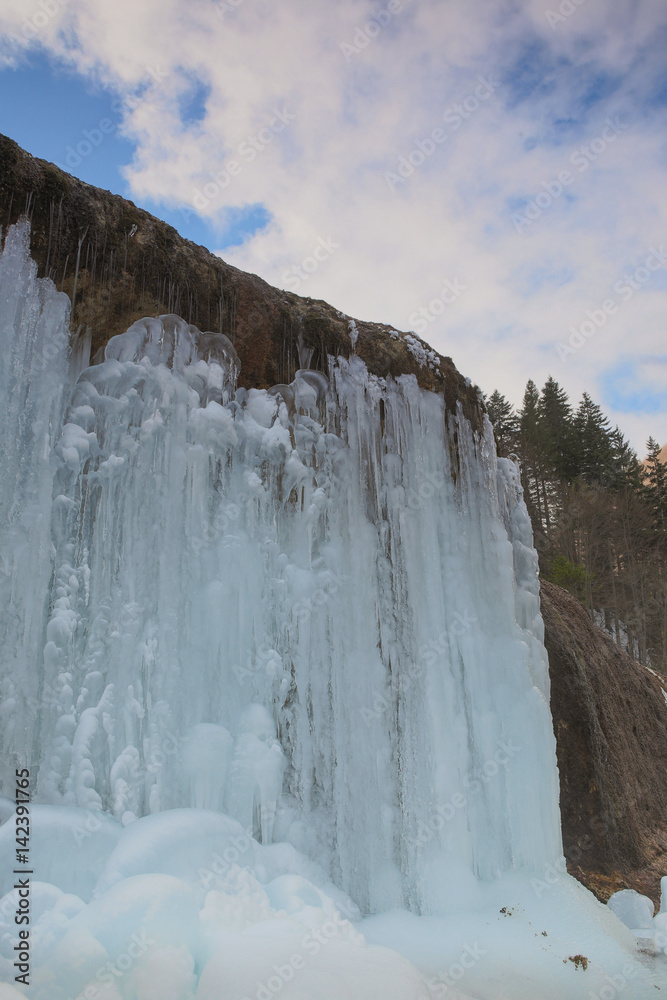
pixel 491 174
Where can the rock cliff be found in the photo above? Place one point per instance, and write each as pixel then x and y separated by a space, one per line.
pixel 610 720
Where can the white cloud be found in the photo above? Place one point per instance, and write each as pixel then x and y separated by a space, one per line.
pixel 356 112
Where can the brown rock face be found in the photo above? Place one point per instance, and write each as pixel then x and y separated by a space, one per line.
pixel 117 263
pixel 610 720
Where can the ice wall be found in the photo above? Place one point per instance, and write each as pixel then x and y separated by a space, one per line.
pixel 314 609
pixel 34 321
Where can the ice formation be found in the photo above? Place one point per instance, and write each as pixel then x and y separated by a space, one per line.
pixel 632 909
pixel 275 662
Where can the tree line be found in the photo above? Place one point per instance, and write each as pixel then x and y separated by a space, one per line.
pixel 599 515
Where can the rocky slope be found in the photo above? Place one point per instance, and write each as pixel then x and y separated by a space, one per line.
pixel 117 263
pixel 610 719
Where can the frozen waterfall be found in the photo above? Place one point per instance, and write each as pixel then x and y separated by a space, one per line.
pixel 300 627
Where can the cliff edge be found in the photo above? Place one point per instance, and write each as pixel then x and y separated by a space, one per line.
pixel 118 263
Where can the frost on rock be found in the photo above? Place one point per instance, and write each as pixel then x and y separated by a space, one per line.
pixel 272 664
pixel 424 355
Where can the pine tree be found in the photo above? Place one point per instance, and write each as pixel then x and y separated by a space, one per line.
pixel 532 468
pixel 656 482
pixel 556 431
pixel 627 469
pixel 505 423
pixel 529 416
pixel 599 515
pixel 594 442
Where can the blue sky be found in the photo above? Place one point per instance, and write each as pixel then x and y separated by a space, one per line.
pixel 621 384
pixel 264 131
pixel 51 111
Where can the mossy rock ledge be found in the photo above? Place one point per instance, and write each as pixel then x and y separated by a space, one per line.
pixel 118 263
